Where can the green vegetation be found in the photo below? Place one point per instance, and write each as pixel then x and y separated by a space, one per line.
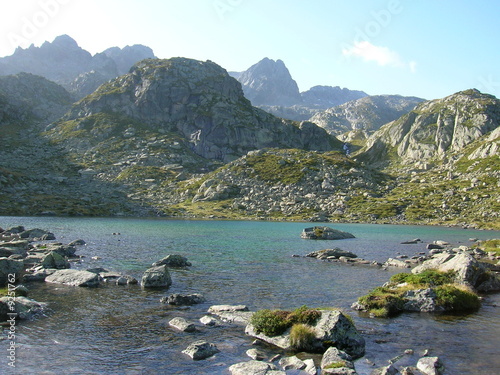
pixel 337 364
pixel 491 246
pixel 276 322
pixel 302 337
pixel 389 300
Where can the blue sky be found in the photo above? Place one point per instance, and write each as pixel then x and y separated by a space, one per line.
pixel 424 48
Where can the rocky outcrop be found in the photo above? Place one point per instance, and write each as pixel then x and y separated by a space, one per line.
pixel 469 271
pixel 331 327
pixel 156 277
pixel 325 233
pixel 178 299
pixel 435 129
pixel 10 270
pixel 19 307
pixel 366 114
pixel 331 254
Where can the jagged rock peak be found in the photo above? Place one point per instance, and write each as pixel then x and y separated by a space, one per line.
pixel 269 83
pixel 436 128
pixel 127 56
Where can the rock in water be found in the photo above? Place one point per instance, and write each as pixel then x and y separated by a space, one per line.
pixel 324 233
pixel 73 278
pixel 173 260
pixel 201 350
pixel 156 277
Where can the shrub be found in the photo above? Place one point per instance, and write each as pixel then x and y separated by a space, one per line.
pixel 383 301
pixel 337 364
pixel 269 322
pixel 454 298
pixel 302 337
pixel 275 322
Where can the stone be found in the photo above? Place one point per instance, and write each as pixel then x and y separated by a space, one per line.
pixel 183 299
pixel 324 233
pixel 256 354
pixel 173 260
pixel 77 243
pixel 292 363
pixel 55 260
pixel 156 277
pixel 386 370
pixel 391 262
pixel 331 253
pixel 201 350
pixel 421 300
pixel 253 368
pixel 126 280
pixel 229 308
pixel 38 275
pixel 22 307
pixel 9 267
pixel 182 325
pixel 208 321
pixel 430 366
pixel 333 355
pixel 37 234
pixel 73 278
pixel 310 367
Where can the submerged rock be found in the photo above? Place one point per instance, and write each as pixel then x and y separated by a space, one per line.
pixel 331 254
pixel 182 325
pixel 19 308
pixel 173 260
pixel 324 233
pixel 183 299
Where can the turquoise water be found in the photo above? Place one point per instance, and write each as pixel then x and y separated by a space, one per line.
pixel 124 330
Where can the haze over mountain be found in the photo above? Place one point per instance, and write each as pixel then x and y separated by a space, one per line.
pixel 64 62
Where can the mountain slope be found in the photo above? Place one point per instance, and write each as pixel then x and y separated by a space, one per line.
pixel 324 97
pixel 368 113
pixel 435 129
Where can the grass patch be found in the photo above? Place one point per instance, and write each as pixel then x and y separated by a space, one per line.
pixel 302 337
pixel 336 364
pixel 276 322
pixel 492 246
pixel 425 279
pixel 455 298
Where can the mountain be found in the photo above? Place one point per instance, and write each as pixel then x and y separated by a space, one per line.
pixel 63 62
pixel 126 57
pixel 435 129
pixel 368 113
pixel 269 83
pixel 269 86
pixel 323 97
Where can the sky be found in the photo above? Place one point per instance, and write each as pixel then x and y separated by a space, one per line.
pixel 425 48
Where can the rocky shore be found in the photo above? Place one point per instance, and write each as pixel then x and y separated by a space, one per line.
pixel 327 344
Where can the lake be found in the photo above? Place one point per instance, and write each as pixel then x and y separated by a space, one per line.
pixel 124 330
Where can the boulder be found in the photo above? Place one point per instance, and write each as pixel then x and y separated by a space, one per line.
pixel 430 366
pixel 223 308
pixel 73 278
pixel 292 363
pixel 469 271
pixel 182 325
pixel 324 233
pixel 55 260
pixel 77 243
pixel 22 307
pixel 331 327
pixel 37 234
pixel 200 350
pixel 156 277
pixel 10 270
pixel 38 275
pixel 208 321
pixel 254 368
pixel 256 354
pixel 173 260
pixel 126 280
pixel 231 313
pixel 331 253
pixel 338 360
pixel 183 299
pixel 423 300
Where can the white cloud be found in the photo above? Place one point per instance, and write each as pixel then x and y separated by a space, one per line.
pixel 383 56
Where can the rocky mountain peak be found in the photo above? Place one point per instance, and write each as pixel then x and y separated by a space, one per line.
pixel 198 101
pixel 324 97
pixel 269 83
pixel 128 56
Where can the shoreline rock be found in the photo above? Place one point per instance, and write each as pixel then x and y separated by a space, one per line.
pixel 324 233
